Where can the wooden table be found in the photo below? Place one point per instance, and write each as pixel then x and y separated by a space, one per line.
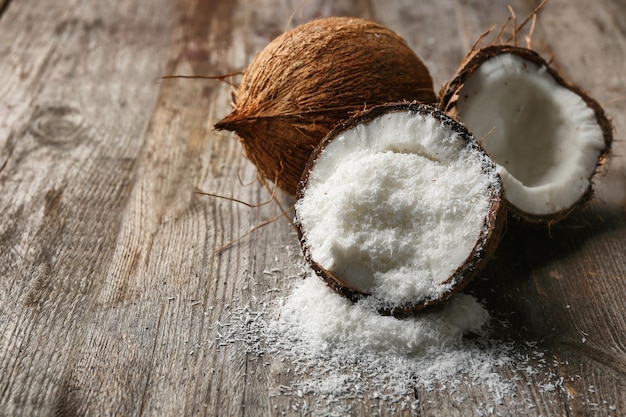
pixel 110 279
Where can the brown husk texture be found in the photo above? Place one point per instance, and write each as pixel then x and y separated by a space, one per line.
pixel 450 93
pixel 483 250
pixel 312 77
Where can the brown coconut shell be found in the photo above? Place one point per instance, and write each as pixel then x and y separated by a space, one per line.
pixel 450 93
pixel 312 77
pixel 483 250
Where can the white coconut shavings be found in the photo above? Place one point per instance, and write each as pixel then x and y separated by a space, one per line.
pixel 336 352
pixel 325 320
pixel 396 206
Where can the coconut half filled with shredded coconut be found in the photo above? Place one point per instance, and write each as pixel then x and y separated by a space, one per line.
pixel 399 207
pixel 546 136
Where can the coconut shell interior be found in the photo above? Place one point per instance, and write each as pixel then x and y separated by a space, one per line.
pixel 454 91
pixel 482 250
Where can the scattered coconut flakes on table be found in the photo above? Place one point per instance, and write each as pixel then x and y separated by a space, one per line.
pixel 336 352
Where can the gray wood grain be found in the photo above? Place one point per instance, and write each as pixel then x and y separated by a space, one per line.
pixel 113 280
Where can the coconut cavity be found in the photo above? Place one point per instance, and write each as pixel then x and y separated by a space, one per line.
pixel 400 204
pixel 546 137
pixel 312 77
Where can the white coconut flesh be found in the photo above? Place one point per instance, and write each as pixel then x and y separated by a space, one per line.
pixel 545 139
pixel 394 206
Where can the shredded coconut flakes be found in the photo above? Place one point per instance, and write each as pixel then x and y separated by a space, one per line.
pixel 395 206
pixel 337 352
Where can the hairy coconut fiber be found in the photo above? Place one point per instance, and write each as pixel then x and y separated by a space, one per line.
pixel 312 77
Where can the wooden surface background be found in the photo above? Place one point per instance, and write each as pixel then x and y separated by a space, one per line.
pixel 110 284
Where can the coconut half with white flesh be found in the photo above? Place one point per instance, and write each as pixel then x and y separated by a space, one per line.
pixel 399 207
pixel 546 136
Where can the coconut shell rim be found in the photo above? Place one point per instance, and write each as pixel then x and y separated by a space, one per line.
pixel 482 251
pixel 448 100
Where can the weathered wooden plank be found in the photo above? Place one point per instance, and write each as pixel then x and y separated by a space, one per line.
pixel 117 286
pixel 164 272
pixel 77 87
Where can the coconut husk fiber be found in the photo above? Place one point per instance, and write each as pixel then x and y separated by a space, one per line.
pixel 312 77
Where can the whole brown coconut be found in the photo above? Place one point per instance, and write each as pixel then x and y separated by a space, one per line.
pixel 312 77
pixel 547 136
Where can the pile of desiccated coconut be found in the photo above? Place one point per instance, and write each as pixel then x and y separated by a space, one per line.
pixel 335 351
